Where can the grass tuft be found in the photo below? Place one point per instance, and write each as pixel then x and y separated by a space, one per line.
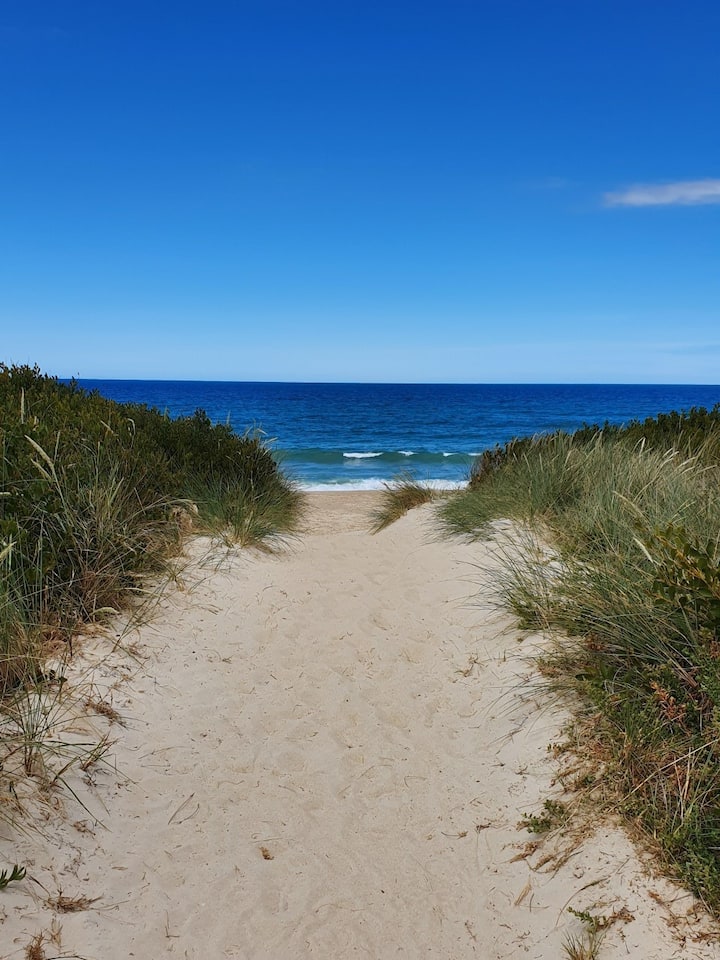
pixel 398 498
pixel 250 515
pixel 584 946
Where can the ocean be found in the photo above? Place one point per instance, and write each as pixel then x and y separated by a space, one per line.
pixel 360 435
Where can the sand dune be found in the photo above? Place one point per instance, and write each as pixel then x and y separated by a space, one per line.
pixel 326 754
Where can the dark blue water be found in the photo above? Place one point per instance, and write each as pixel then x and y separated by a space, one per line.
pixel 361 434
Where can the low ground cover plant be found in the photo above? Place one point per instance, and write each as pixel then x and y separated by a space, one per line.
pixel 618 554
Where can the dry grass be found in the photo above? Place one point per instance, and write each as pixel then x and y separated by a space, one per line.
pixel 104 709
pixel 63 904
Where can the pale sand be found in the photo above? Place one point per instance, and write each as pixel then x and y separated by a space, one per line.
pixel 351 710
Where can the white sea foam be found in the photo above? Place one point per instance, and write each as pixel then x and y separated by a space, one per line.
pixel 361 456
pixel 377 483
pixel 407 453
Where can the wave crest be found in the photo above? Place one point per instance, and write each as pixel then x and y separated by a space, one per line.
pixel 375 483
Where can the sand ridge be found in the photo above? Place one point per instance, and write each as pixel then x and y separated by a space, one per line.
pixel 326 754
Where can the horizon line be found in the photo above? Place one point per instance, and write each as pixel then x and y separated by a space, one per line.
pixel 402 383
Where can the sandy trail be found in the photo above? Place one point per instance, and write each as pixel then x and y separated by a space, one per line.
pixel 326 754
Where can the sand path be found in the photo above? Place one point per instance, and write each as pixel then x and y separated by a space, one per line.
pixel 326 754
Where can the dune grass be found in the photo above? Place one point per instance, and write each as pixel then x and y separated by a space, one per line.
pixel 248 513
pixel 617 552
pixel 95 500
pixel 398 497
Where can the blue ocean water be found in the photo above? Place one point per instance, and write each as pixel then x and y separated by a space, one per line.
pixel 331 435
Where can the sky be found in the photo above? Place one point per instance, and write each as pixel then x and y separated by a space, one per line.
pixel 381 190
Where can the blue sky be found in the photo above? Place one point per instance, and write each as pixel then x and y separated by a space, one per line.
pixel 498 190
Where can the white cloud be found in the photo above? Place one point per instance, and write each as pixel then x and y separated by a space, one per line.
pixel 681 193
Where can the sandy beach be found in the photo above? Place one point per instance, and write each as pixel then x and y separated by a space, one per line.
pixel 325 752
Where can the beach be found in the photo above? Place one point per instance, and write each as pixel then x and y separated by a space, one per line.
pixel 326 751
pixel 360 482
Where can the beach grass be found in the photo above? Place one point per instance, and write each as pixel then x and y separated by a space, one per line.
pixel 398 497
pixel 96 498
pixel 616 552
pixel 251 512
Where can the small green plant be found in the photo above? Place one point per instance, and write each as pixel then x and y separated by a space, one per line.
pixel 585 946
pixel 12 876
pixel 687 576
pixel 591 921
pixel 554 815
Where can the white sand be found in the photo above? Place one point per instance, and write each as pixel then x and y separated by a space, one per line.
pixel 326 754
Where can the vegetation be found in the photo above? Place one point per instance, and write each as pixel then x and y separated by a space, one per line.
pixel 11 876
pixel 95 497
pixel 398 498
pixel 553 815
pixel 695 432
pixel 617 551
